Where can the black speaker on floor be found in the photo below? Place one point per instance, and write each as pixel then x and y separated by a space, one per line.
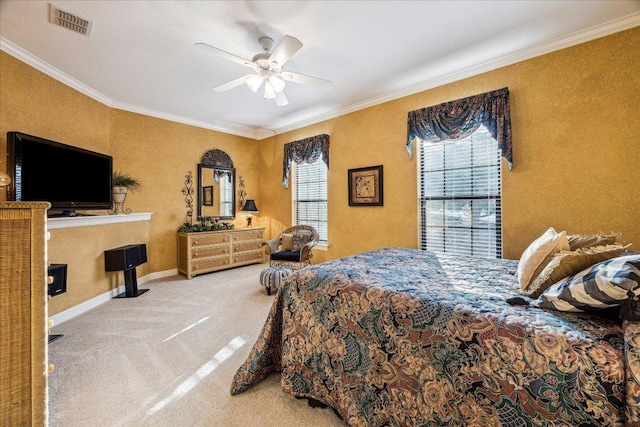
pixel 57 284
pixel 127 258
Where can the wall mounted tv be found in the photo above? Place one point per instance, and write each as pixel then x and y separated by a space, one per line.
pixel 68 177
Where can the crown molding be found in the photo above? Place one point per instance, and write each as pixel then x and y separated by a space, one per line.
pixel 37 63
pixel 608 28
pixel 40 65
pixel 237 130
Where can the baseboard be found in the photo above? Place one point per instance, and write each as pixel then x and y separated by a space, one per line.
pixel 77 310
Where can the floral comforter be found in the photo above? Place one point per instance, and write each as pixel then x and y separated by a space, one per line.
pixel 404 337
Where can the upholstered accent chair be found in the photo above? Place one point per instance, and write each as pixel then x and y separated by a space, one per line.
pixel 292 247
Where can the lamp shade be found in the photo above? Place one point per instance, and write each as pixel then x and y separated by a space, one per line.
pixel 269 93
pixel 254 81
pixel 250 206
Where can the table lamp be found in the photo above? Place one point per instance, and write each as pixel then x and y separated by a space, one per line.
pixel 250 207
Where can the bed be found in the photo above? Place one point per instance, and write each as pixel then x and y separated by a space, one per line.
pixel 404 337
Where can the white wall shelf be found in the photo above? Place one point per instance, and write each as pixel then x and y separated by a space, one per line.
pixel 85 221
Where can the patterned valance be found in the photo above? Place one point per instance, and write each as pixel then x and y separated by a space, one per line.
pixel 217 174
pixel 306 150
pixel 460 118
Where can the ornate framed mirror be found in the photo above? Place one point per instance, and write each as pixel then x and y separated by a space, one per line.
pixel 216 185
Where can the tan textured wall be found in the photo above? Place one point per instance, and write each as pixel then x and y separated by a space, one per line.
pixel 576 144
pixel 34 103
pixel 82 249
pixel 158 152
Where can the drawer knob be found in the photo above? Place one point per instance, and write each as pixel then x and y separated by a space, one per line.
pixel 50 368
pixel 49 280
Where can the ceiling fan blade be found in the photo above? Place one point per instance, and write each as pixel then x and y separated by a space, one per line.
pixel 281 100
pixel 224 54
pixel 233 83
pixel 307 80
pixel 287 47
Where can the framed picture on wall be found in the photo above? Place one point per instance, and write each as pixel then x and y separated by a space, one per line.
pixel 365 186
pixel 207 195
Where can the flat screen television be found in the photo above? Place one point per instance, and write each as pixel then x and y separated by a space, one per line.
pixel 68 177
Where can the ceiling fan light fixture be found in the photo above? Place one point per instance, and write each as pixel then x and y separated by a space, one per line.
pixel 277 83
pixel 267 69
pixel 254 81
pixel 269 93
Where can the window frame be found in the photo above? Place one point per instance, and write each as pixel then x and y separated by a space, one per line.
pixel 494 196
pixel 323 242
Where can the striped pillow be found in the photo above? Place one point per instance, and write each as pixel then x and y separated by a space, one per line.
pixel 606 284
pixel 567 263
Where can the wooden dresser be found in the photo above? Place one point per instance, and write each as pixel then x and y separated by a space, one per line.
pixel 204 252
pixel 23 314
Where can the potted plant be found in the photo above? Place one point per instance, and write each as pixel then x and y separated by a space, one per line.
pixel 120 183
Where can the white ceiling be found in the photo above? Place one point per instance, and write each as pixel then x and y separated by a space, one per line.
pixel 141 56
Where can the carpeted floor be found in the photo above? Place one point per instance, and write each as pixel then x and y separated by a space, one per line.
pixel 167 358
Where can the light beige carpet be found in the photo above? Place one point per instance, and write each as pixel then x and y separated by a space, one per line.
pixel 167 358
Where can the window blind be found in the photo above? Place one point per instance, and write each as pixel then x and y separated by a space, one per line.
pixel 460 191
pixel 310 197
pixel 226 197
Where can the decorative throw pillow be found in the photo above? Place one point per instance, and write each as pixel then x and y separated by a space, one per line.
pixel 579 241
pixel 607 284
pixel 300 239
pixel 539 254
pixel 567 263
pixel 286 242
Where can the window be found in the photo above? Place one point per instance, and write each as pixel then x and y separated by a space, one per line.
pixel 460 189
pixel 310 197
pixel 226 196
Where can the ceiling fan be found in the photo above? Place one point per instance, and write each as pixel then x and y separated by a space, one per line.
pixel 268 69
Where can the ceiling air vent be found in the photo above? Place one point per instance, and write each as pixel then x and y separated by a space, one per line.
pixel 69 21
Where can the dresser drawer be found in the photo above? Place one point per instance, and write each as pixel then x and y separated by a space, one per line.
pixel 209 239
pixel 247 246
pixel 248 257
pixel 209 264
pixel 248 235
pixel 209 251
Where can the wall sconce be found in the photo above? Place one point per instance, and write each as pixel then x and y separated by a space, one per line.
pixel 242 192
pixel 251 208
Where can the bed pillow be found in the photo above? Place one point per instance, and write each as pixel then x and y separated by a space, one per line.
pixel 567 263
pixel 286 242
pixel 539 254
pixel 579 241
pixel 607 284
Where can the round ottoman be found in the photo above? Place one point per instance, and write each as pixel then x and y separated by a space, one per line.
pixel 273 277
